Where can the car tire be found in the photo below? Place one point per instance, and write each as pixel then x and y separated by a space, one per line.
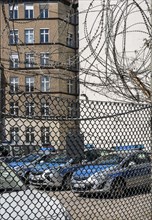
pixel 26 178
pixel 67 181
pixel 118 188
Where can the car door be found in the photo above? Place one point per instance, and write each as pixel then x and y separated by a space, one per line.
pixel 137 170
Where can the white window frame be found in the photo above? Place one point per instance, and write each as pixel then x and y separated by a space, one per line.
pixel 29 36
pixel 45 109
pixel 14 36
pixel 29 83
pixel 44 34
pixel 14 61
pixel 14 84
pixel 45 83
pixel 29 8
pixel 44 11
pixel 14 131
pixel 29 108
pixel 71 86
pixel 13 11
pixel 14 108
pixel 29 60
pixel 44 59
pixel 45 133
pixel 30 133
pixel 69 39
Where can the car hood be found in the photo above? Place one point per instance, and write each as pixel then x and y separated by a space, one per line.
pixel 30 205
pixel 40 168
pixel 87 171
pixel 18 164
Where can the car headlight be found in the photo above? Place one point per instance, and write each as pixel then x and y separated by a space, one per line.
pixel 17 168
pixel 95 178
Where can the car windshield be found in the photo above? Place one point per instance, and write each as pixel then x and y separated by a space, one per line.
pixel 29 158
pixel 8 179
pixel 63 158
pixel 11 159
pixel 109 159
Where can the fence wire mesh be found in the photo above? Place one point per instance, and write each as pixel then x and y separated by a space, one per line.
pixel 74 159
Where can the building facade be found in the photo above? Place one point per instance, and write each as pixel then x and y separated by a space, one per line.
pixel 39 56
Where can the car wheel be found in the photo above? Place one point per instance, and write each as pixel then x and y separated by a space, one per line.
pixel 67 181
pixel 26 178
pixel 118 188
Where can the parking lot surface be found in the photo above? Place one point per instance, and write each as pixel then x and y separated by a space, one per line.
pixel 135 206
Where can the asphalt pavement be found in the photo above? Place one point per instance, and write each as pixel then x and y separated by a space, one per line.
pixel 133 206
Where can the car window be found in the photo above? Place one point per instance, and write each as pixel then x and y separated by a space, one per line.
pixel 8 179
pixel 29 158
pixel 109 159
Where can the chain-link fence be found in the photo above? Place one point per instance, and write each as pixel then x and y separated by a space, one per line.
pixel 74 159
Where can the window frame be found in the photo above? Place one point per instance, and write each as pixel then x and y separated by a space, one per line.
pixel 45 135
pixel 14 108
pixel 45 109
pixel 14 84
pixel 14 135
pixel 14 36
pixel 71 86
pixel 14 61
pixel 29 106
pixel 29 60
pixel 29 83
pixel 13 11
pixel 69 39
pixel 44 11
pixel 29 36
pixel 45 84
pixel 44 35
pixel 44 59
pixel 28 13
pixel 30 135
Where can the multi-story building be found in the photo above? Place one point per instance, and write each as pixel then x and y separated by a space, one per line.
pixel 40 80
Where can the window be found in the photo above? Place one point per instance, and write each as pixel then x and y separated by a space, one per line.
pixel 45 109
pixel 72 110
pixel 71 62
pixel 14 82
pixel 71 17
pixel 14 61
pixel 29 36
pixel 44 59
pixel 29 84
pixel 29 11
pixel 29 135
pixel 13 11
pixel 69 40
pixel 45 84
pixel 29 108
pixel 44 35
pixel 14 108
pixel 14 134
pixel 45 135
pixel 43 10
pixel 13 37
pixel 71 86
pixel 29 60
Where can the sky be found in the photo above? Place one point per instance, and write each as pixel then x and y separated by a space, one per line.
pixel 91 21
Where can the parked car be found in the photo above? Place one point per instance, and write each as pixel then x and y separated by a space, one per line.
pixel 23 165
pixel 58 171
pixel 114 173
pixel 19 202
